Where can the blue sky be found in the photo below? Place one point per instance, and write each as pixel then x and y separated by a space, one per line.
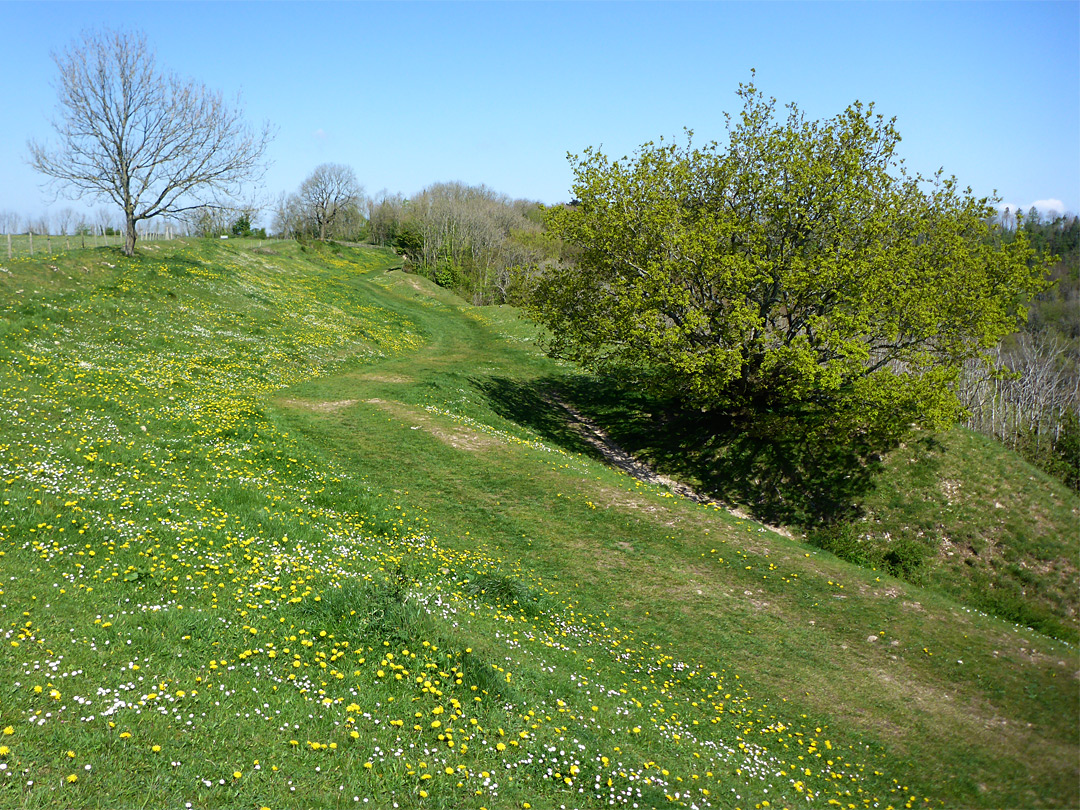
pixel 408 94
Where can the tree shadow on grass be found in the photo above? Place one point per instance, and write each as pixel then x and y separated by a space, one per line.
pixel 529 404
pixel 785 468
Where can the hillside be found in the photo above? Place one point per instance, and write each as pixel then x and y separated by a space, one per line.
pixel 285 527
pixel 955 512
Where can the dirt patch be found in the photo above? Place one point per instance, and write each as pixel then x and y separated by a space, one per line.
pixel 457 436
pixel 396 379
pixel 414 282
pixel 319 406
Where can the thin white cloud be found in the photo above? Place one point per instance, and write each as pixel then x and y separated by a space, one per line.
pixel 319 134
pixel 1048 206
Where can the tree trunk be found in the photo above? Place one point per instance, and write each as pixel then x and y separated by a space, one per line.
pixel 129 236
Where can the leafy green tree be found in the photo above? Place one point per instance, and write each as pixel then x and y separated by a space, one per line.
pixel 798 269
pixel 241 225
pixel 410 241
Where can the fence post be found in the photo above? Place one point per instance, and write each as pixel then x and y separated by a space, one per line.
pixel 31 232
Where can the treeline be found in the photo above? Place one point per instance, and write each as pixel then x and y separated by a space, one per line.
pixel 1033 405
pixel 480 243
pixel 476 241
pixel 74 226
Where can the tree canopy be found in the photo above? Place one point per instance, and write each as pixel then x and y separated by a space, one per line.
pixel 797 266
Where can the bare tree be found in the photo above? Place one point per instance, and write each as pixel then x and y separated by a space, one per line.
pixel 9 222
pixel 42 226
pixel 65 220
pixel 104 222
pixel 385 213
pixel 286 212
pixel 328 195
pixel 147 140
pixel 473 238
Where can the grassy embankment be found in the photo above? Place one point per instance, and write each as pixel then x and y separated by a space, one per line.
pixel 286 529
pixel 954 512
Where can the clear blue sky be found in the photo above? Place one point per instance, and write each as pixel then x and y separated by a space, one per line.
pixel 497 93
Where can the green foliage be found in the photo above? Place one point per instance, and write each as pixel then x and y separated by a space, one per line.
pixel 905 558
pixel 446 274
pixel 409 241
pixel 798 264
pixel 1060 456
pixel 1067 449
pixel 241 226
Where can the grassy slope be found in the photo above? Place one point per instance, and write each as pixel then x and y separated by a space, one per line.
pixel 955 512
pixel 1001 534
pixel 212 456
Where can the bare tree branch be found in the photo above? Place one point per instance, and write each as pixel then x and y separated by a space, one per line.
pixel 149 141
pixel 327 195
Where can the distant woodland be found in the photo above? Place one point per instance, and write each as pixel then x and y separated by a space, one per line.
pixel 1032 406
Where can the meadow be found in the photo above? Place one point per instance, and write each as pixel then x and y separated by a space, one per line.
pixel 283 526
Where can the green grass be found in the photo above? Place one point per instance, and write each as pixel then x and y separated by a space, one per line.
pixel 954 512
pixel 284 513
pixel 43 248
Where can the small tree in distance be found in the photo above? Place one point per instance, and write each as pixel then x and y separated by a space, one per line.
pixel 328 196
pixel 149 141
pixel 797 269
